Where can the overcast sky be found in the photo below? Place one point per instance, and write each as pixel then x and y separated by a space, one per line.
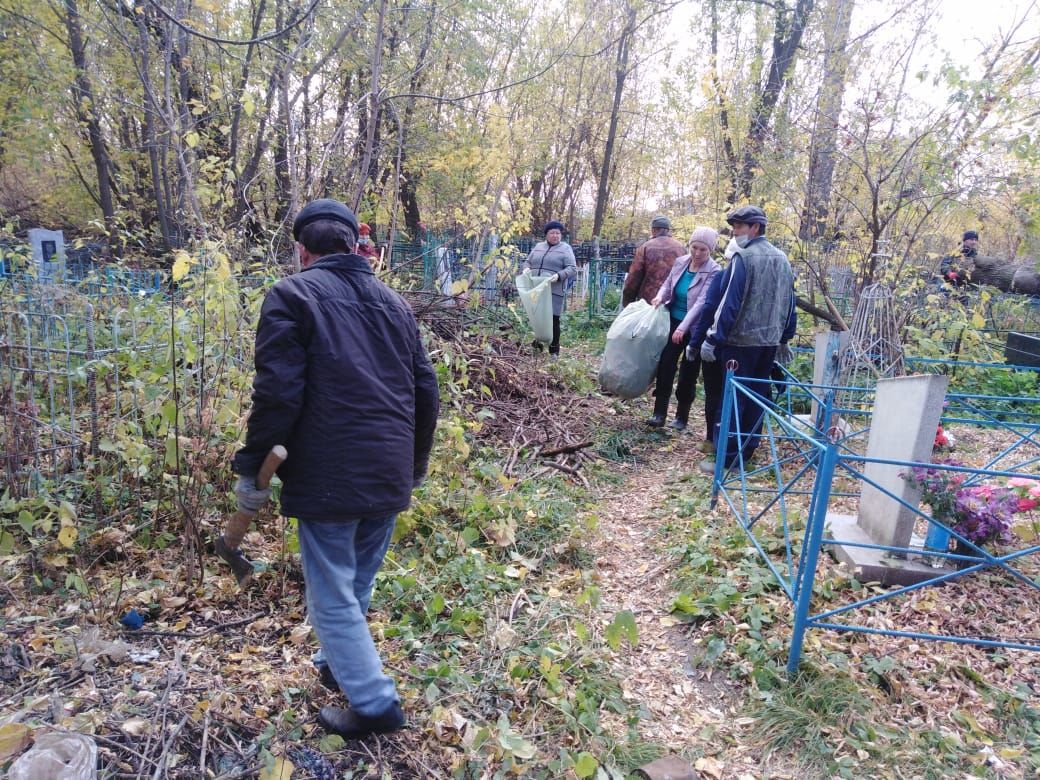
pixel 962 28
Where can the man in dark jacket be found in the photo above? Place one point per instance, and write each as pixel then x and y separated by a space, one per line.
pixel 755 315
pixel 344 382
pixel 956 271
pixel 652 264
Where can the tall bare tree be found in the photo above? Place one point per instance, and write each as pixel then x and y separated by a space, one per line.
pixel 837 19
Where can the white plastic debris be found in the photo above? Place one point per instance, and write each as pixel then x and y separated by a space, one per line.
pixel 57 756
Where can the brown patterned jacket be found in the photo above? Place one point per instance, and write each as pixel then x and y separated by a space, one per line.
pixel 651 266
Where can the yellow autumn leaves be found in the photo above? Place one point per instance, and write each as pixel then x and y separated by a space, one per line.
pixel 213 259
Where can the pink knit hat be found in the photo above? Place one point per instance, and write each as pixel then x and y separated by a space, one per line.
pixel 706 236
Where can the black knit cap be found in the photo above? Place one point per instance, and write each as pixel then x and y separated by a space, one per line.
pixel 324 208
pixel 553 225
pixel 970 234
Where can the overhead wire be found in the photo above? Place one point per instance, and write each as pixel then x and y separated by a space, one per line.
pixel 234 41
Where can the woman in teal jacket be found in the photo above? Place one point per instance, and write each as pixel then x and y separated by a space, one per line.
pixel 683 293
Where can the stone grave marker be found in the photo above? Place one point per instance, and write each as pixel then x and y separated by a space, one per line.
pixel 906 415
pixel 48 252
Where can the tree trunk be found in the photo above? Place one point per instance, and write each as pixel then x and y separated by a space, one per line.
pixel 720 99
pixel 366 166
pixel 815 212
pixel 284 137
pixel 237 104
pixel 787 35
pixel 620 74
pixel 151 140
pixel 409 179
pixel 87 114
pixel 1007 275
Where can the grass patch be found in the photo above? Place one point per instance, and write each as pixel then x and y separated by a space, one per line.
pixel 591 333
pixel 618 446
pixel 808 715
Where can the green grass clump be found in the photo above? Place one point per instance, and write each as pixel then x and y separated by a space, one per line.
pixel 808 714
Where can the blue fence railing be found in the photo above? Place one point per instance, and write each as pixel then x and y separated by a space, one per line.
pixel 811 462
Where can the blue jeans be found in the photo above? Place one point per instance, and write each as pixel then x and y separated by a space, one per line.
pixel 340 561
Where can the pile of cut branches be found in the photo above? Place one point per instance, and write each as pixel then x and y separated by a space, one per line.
pixel 525 408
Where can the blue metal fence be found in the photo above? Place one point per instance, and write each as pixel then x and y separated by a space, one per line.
pixel 441 260
pixel 818 461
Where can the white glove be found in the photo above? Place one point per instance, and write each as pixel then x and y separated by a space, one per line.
pixel 784 355
pixel 527 272
pixel 554 278
pixel 250 497
pixel 707 352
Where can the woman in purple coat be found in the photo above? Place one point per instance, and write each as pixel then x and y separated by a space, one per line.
pixel 683 293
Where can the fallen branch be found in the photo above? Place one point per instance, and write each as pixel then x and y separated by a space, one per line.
pixel 829 315
pixel 565 469
pixel 567 448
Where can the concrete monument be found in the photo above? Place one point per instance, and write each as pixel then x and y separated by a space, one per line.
pixel 906 415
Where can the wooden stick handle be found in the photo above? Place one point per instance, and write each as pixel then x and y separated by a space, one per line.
pixel 275 458
pixel 239 522
pixel 236 528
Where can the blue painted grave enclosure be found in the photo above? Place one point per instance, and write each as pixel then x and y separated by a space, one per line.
pixel 810 465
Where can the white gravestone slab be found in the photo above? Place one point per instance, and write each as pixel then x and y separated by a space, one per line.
pixel 903 425
pixel 48 251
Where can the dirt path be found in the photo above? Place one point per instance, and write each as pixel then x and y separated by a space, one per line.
pixel 690 712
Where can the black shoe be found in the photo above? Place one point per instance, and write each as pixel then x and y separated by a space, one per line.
pixel 240 565
pixel 327 678
pixel 352 725
pixel 537 345
pixel 677 424
pixel 657 421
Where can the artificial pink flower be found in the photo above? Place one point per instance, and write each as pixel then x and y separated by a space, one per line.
pixel 1022 482
pixel 1035 490
pixel 1027 504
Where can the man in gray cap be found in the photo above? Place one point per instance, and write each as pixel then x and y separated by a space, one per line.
pixel 755 316
pixel 653 262
pixel 344 383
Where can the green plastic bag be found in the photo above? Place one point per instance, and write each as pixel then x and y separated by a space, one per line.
pixel 536 296
pixel 634 344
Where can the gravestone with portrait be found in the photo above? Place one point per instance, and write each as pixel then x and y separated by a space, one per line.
pixel 48 253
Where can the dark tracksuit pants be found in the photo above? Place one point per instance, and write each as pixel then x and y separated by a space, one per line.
pixel 686 391
pixel 714 377
pixel 754 363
